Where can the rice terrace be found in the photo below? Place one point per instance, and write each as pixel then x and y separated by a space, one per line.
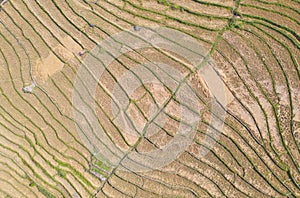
pixel 149 98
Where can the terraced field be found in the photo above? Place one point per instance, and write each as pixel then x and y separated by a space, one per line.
pixel 66 131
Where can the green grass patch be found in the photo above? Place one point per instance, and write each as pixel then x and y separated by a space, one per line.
pixel 32 184
pixel 45 192
pixel 61 173
pixel 103 166
pixel 164 2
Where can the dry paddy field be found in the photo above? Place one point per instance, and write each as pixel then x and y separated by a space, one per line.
pixel 51 147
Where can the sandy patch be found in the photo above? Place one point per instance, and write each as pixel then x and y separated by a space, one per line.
pixel 49 66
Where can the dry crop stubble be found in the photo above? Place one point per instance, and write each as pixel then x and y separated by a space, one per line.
pixel 255 46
